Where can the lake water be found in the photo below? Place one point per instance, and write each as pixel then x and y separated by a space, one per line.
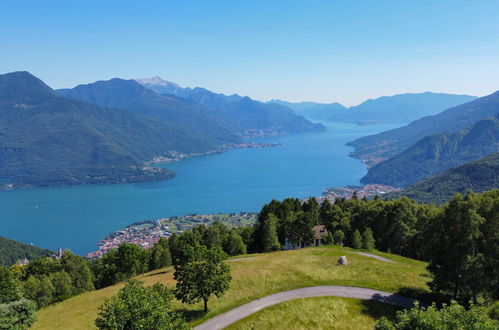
pixel 239 180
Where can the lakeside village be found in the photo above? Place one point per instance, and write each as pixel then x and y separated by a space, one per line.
pixel 148 232
pixel 175 156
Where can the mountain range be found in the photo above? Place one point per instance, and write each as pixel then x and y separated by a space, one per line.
pixel 107 132
pixel 396 109
pixel 244 115
pixel 436 153
pixel 375 148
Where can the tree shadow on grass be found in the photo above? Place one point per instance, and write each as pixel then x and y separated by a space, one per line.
pixel 377 310
pixel 160 273
pixel 424 296
pixel 190 315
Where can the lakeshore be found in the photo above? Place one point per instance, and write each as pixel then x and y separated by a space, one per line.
pixel 76 217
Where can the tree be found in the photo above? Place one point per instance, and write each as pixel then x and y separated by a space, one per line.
pixel 338 237
pixel 464 248
pixel 160 256
pixel 269 239
pixel 183 246
pixel 204 275
pixel 63 288
pixel 300 230
pixel 368 241
pixel 453 316
pixel 139 307
pixel 79 272
pixel 39 289
pixel 10 289
pixel 356 240
pixel 17 315
pixel 233 244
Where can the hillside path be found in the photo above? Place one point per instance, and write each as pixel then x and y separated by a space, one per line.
pixel 223 320
pixel 369 255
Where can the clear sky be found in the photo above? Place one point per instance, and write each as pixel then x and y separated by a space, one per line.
pixel 325 51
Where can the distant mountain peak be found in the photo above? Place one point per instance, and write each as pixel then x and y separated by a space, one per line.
pixel 156 81
pixel 22 86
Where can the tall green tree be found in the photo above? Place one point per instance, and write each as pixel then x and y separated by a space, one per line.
pixel 233 243
pixel 463 241
pixel 10 289
pixel 356 240
pixel 338 237
pixel 204 275
pixel 300 230
pixel 139 307
pixel 79 271
pixel 269 239
pixel 39 288
pixel 368 241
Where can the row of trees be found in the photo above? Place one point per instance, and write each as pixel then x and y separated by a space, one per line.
pixel 459 239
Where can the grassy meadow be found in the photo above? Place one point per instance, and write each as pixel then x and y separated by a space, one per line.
pixel 254 277
pixel 318 313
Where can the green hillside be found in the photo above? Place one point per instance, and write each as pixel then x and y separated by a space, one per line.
pixel 11 251
pixel 437 153
pixel 375 148
pixel 480 175
pixel 52 140
pixel 130 95
pixel 255 277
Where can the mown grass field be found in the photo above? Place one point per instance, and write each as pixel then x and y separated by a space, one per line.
pixel 318 313
pixel 255 277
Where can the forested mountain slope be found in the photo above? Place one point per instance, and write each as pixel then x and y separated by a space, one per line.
pixel 434 154
pixel 480 175
pixel 131 96
pixel 11 251
pixel 47 139
pixel 375 148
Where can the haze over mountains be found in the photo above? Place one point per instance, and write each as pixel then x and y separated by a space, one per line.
pixel 396 109
pixel 245 115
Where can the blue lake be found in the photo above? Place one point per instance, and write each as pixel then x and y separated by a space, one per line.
pixel 238 180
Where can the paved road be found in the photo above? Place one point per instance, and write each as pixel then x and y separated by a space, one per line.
pixel 369 255
pixel 223 320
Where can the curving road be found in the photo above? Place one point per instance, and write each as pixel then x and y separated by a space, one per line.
pixel 223 320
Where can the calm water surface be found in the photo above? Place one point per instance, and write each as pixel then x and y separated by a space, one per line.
pixel 238 180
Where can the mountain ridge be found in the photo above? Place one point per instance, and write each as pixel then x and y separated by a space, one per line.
pixel 373 149
pixel 436 153
pixel 252 118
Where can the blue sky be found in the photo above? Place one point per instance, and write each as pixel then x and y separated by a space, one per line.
pixel 325 51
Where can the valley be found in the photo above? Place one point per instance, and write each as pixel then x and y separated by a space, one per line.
pixel 77 217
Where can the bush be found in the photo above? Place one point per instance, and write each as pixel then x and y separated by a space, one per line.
pixel 17 315
pixel 450 317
